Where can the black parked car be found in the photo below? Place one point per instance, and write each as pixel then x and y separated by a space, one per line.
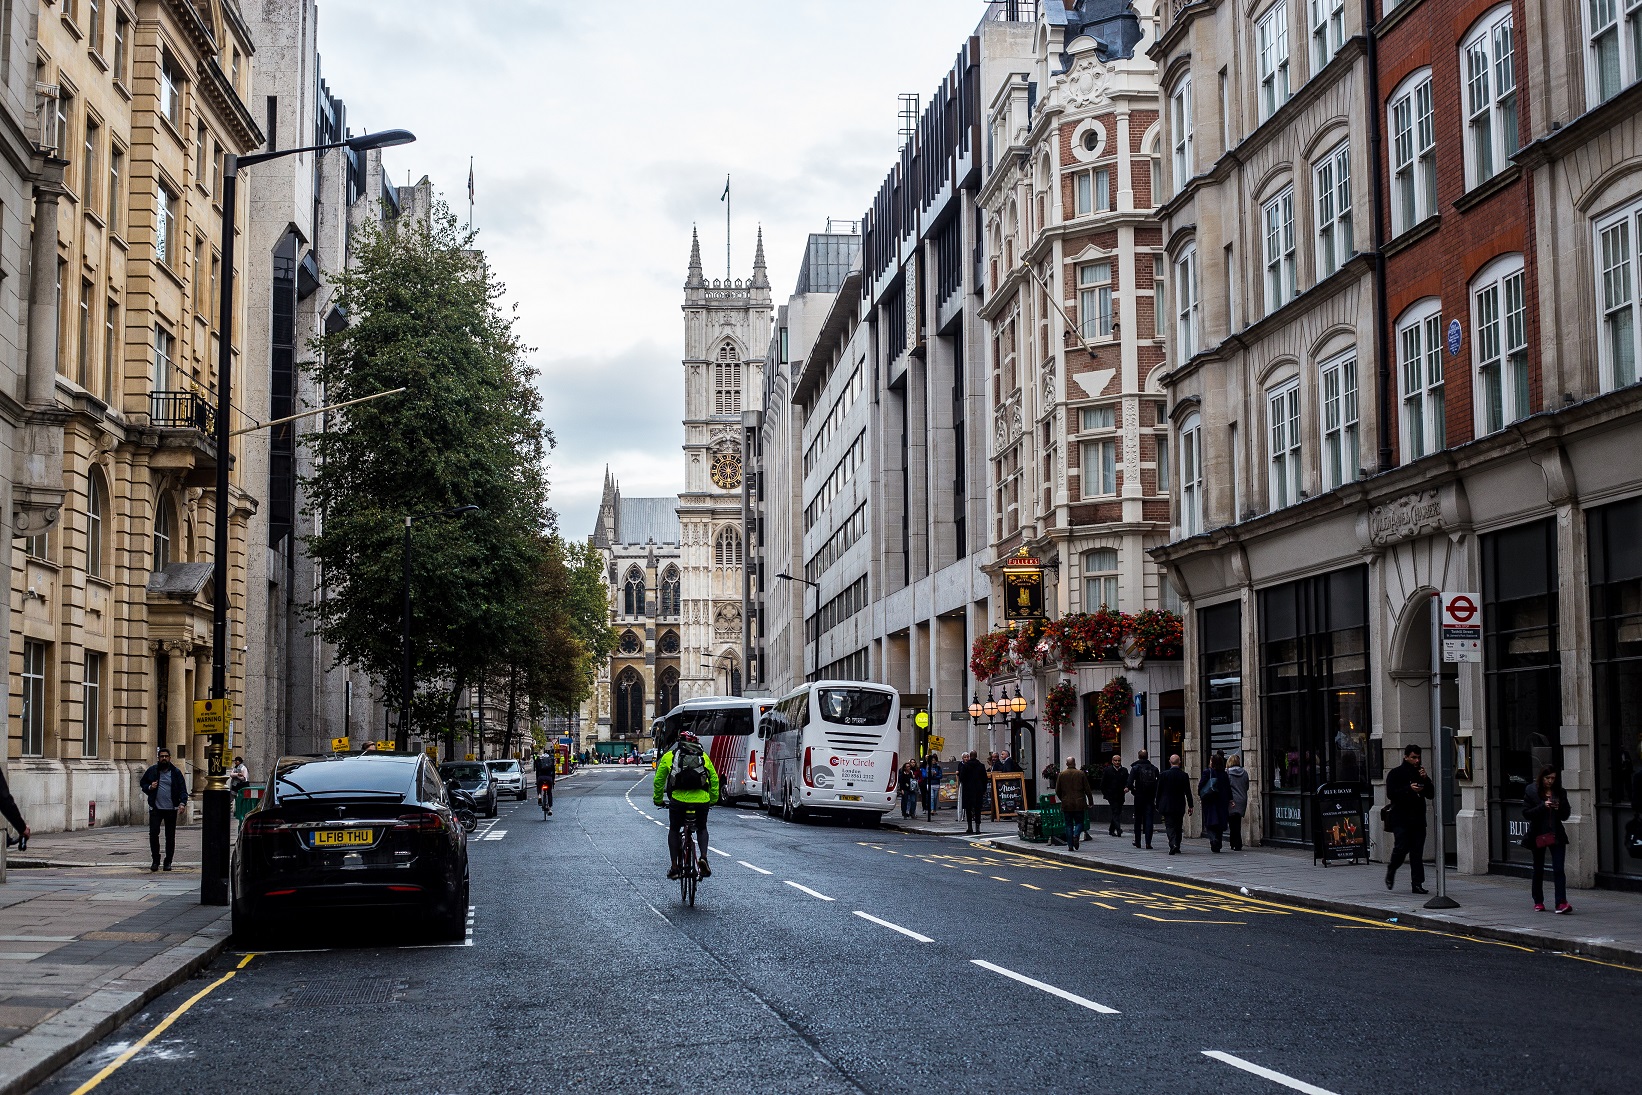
pixel 351 832
pixel 476 779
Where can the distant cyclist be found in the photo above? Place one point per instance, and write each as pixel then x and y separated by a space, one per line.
pixel 545 774
pixel 686 779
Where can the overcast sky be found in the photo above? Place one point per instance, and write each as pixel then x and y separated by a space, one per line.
pixel 599 133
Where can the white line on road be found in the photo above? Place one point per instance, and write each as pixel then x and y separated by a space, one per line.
pixel 812 893
pixel 910 934
pixel 1082 1002
pixel 1266 1073
pixel 494 834
pixel 750 867
pixel 715 851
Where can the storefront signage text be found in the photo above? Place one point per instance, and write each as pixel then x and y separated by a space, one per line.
pixel 1404 518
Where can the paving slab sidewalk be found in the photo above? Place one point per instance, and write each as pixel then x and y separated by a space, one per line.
pixel 84 948
pixel 1605 924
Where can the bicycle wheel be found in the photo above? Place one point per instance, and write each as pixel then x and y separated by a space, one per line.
pixel 690 886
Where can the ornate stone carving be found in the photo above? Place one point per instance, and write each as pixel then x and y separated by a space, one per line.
pixel 1086 84
pixel 1405 518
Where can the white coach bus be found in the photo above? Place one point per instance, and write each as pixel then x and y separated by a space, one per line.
pixel 831 746
pixel 726 727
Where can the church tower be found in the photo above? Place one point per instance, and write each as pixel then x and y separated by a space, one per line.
pixel 726 334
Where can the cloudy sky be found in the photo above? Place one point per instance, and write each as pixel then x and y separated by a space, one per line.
pixel 599 133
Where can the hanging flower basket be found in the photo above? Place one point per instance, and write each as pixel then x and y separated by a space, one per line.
pixel 1077 637
pixel 1112 704
pixel 1058 705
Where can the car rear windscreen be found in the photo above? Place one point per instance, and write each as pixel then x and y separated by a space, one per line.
pixel 855 706
pixel 502 765
pixel 734 721
pixel 346 774
pixel 462 771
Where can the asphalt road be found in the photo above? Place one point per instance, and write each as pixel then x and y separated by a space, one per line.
pixel 825 958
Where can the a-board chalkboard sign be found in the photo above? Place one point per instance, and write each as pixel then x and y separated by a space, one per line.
pixel 1008 794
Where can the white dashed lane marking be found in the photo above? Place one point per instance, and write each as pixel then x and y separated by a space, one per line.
pixel 750 867
pixel 908 932
pixel 813 893
pixel 1266 1073
pixel 1081 1001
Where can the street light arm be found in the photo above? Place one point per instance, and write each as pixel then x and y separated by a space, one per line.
pixel 255 425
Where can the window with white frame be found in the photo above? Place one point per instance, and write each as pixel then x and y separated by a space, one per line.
pixel 1332 180
pixel 1617 236
pixel 1337 387
pixel 1283 432
pixel 1413 153
pixel 1328 31
pixel 1098 418
pixel 1615 50
pixel 1272 45
pixel 1419 369
pixel 34 698
pixel 1490 97
pixel 1499 344
pixel 1191 476
pixel 1095 300
pixel 1278 217
pixel 1180 127
pixel 1100 579
pixel 1186 308
pixel 91 728
pixel 1162 440
pixel 1092 191
pixel 1099 468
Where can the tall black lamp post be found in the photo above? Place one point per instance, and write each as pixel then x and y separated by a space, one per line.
pixel 215 835
pixel 807 639
pixel 407 680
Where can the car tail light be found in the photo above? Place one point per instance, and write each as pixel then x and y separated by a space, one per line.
pixel 807 751
pixel 279 893
pixel 894 770
pixel 404 889
pixel 426 822
pixel 260 824
pixel 752 766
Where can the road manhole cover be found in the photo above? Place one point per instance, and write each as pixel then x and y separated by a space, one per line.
pixel 336 994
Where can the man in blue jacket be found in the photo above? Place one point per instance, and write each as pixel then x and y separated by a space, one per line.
pixel 167 793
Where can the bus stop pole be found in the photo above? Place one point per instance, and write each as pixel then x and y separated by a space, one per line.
pixel 1440 900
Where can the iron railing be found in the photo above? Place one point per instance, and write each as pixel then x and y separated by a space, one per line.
pixel 180 411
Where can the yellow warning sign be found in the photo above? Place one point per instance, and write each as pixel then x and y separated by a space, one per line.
pixel 339 745
pixel 936 743
pixel 211 716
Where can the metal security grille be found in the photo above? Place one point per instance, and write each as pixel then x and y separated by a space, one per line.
pixel 351 993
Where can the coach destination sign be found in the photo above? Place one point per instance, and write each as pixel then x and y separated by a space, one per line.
pixel 1022 587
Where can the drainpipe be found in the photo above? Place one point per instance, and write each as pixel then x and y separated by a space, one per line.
pixel 1376 170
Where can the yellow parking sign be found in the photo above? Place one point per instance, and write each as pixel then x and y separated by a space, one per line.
pixel 211 716
pixel 339 745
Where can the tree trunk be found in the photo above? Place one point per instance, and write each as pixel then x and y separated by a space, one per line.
pixel 512 708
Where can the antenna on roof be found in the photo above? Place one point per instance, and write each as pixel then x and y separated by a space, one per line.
pixel 909 117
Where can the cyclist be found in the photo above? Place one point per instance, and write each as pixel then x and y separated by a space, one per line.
pixel 545 774
pixel 685 777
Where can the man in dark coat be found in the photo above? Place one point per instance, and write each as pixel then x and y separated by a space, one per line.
pixel 1144 779
pixel 167 793
pixel 9 811
pixel 1072 788
pixel 972 780
pixel 1114 788
pixel 1174 802
pixel 1007 763
pixel 1407 788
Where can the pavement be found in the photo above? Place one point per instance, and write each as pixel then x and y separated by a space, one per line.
pixel 88 940
pixel 827 957
pixel 1605 924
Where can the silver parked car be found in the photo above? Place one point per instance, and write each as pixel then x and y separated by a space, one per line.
pixel 510 780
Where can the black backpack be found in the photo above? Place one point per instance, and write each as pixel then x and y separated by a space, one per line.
pixel 689 771
pixel 1144 782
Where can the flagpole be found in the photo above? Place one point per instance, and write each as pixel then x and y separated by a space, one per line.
pixel 470 193
pixel 727 229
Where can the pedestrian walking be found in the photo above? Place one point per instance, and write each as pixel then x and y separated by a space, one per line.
pixel 1407 787
pixel 1238 777
pixel 1214 793
pixel 1007 763
pixel 972 780
pixel 238 775
pixel 909 789
pixel 167 793
pixel 1143 783
pixel 9 811
pixel 1174 802
pixel 932 783
pixel 1114 788
pixel 1546 806
pixel 1072 788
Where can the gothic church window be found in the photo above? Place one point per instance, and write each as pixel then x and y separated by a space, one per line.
pixel 669 592
pixel 629 703
pixel 727 548
pixel 630 642
pixel 667 690
pixel 633 593
pixel 726 382
pixel 668 643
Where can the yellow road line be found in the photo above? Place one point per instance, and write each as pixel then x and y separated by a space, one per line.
pixel 1029 886
pixel 1171 920
pixel 1600 962
pixel 1104 905
pixel 1000 878
pixel 1479 939
pixel 160 1028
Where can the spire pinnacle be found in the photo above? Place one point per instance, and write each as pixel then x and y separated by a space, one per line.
pixel 761 279
pixel 695 277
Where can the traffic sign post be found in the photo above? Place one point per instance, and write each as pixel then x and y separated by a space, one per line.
pixel 211 716
pixel 1461 610
pixel 1461 628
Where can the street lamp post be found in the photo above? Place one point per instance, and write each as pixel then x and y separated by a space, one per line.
pixel 407 680
pixel 215 831
pixel 807 639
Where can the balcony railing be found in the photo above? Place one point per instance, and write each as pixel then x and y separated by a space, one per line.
pixel 1013 11
pixel 180 411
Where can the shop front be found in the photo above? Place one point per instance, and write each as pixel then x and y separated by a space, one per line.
pixel 1615 545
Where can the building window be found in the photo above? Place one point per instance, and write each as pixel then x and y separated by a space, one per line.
pixel 1092 191
pixel 38 546
pixel 1191 476
pixel 163 346
pixel 111 342
pixel 1186 309
pixel 1162 442
pixel 1095 300
pixel 162 534
pixel 1097 418
pixel 1278 217
pixel 1160 303
pixel 1100 579
pixel 726 382
pixel 1490 97
pixel 668 643
pixel 96 525
pixel 669 593
pixel 1413 153
pixel 1333 184
pixel 116 166
pixel 201 282
pixel 1180 129
pixel 165 228
pixel 1615 52
pixel 1338 382
pixel 1099 468
pixel 199 152
pixel 629 704
pixel 82 351
pixel 1616 246
pixel 666 690
pixel 171 83
pixel 727 548
pixel 1272 39
pixel 122 40
pixel 1499 344
pixel 1328 31
pixel 91 172
pixel 1419 363
pixel 633 593
pixel 1616 668
pixel 91 730
pixel 63 123
pixel 94 23
pixel 1220 654
pixel 630 643
pixel 34 698
pixel 1283 428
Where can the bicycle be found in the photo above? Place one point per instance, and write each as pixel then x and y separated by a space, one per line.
pixel 689 869
pixel 542 801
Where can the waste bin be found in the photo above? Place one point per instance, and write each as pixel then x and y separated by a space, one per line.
pixel 246 799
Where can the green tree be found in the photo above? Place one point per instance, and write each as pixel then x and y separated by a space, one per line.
pixel 425 317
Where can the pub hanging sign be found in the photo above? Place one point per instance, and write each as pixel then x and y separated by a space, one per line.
pixel 1022 587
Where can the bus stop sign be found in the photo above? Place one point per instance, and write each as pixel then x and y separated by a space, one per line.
pixel 1461 623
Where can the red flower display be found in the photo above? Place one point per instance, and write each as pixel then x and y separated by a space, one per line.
pixel 1058 705
pixel 1077 637
pixel 1112 704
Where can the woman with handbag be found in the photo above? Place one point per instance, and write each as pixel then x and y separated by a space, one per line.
pixel 1214 792
pixel 1546 807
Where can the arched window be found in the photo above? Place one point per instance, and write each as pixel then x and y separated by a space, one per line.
pixel 1191 476
pixel 668 643
pixel 666 691
pixel 727 549
pixel 96 524
pixel 633 593
pixel 1422 424
pixel 1100 579
pixel 629 703
pixel 669 592
pixel 1499 344
pixel 726 382
pixel 630 642
pixel 164 529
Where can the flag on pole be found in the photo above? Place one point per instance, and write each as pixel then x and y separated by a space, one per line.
pixel 470 180
pixel 726 193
